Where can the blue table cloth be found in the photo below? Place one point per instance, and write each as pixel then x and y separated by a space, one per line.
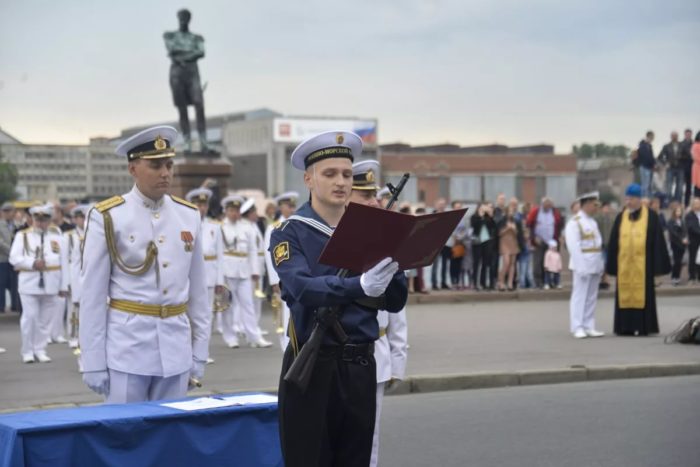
pixel 143 434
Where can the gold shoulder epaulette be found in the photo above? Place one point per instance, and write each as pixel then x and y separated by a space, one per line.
pixel 108 204
pixel 56 230
pixel 214 221
pixel 280 225
pixel 69 231
pixel 24 231
pixel 183 202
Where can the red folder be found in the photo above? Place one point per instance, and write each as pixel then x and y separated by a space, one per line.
pixel 365 235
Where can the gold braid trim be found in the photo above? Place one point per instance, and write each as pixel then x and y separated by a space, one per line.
pixel 26 242
pixel 293 336
pixel 137 270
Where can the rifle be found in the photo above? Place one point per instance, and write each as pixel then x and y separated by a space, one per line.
pixel 299 373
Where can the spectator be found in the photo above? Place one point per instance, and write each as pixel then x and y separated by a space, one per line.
pixel 552 266
pixel 508 234
pixel 687 164
pixel 670 157
pixel 574 208
pixel 655 205
pixel 524 262
pixel 695 152
pixel 692 224
pixel 443 259
pixel 605 219
pixel 545 224
pixel 484 236
pixel 6 269
pixel 647 163
pixel 458 250
pixel 678 236
pixel 499 212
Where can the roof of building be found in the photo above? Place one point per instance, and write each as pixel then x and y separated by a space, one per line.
pixel 539 149
pixel 6 138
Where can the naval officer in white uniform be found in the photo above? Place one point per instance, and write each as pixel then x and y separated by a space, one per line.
pixel 391 349
pixel 287 205
pixel 585 245
pixel 40 256
pixel 144 316
pixel 241 270
pixel 212 247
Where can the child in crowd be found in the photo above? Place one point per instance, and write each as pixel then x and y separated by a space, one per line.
pixel 552 267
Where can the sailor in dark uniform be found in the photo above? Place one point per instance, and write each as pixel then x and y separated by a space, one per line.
pixel 332 422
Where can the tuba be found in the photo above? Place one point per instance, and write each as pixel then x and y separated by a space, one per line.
pixel 222 301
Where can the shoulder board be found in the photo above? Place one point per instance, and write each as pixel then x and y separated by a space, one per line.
pixel 27 230
pixel 214 221
pixel 108 204
pixel 183 202
pixel 577 217
pixel 56 230
pixel 69 232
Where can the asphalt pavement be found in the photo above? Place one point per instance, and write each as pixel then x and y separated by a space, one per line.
pixel 631 423
pixel 514 340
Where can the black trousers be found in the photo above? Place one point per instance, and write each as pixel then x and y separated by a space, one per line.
pixel 692 254
pixel 332 423
pixel 444 260
pixel 678 252
pixel 538 264
pixel 482 261
pixel 688 172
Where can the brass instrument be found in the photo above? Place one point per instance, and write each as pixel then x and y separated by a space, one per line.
pixel 276 304
pixel 222 300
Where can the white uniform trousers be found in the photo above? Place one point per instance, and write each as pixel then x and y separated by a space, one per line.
pixel 284 339
pixel 35 321
pixel 126 387
pixel 241 305
pixel 58 313
pixel 210 295
pixel 257 306
pixel 584 297
pixel 375 441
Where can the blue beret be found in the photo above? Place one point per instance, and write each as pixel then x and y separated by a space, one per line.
pixel 634 190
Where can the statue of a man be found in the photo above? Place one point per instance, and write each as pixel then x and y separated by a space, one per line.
pixel 184 49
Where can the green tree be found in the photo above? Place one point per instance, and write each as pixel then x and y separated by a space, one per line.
pixel 8 180
pixel 599 150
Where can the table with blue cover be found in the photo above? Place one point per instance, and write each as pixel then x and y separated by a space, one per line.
pixel 141 434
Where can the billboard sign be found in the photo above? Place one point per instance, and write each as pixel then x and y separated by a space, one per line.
pixel 296 130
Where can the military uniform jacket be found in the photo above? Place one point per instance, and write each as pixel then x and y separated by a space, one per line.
pixel 391 349
pixel 27 248
pixel 306 284
pixel 74 241
pixel 240 252
pixel 213 249
pixel 584 242
pixel 259 247
pixel 271 273
pixel 136 343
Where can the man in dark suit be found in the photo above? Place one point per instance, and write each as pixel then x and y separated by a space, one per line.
pixel 687 163
pixel 692 223
pixel 670 157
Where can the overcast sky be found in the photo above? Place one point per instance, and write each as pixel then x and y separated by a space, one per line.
pixel 432 71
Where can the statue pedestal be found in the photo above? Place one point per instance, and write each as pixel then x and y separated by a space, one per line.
pixel 190 172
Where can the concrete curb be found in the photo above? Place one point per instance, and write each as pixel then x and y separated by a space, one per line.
pixel 421 384
pixel 446 297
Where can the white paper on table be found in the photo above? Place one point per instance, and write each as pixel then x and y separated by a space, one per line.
pixel 201 403
pixel 215 402
pixel 250 399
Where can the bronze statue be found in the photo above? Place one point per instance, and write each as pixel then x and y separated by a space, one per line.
pixel 184 49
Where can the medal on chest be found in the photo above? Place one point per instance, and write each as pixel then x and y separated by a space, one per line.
pixel 188 240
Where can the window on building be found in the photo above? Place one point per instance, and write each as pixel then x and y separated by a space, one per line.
pixel 495 184
pixel 562 189
pixel 465 187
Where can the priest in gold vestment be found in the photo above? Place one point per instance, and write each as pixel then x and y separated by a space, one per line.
pixel 636 254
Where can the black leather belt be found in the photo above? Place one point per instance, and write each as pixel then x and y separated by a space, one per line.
pixel 357 353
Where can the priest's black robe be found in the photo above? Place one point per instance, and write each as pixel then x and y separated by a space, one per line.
pixel 631 321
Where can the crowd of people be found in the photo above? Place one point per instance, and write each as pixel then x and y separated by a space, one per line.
pixel 509 245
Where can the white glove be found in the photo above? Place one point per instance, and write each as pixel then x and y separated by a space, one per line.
pixel 196 373
pixel 375 281
pixel 98 381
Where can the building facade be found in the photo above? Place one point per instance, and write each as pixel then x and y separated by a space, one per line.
pixel 473 174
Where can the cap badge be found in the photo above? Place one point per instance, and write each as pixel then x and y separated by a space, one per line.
pixel 339 138
pixel 370 176
pixel 160 143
